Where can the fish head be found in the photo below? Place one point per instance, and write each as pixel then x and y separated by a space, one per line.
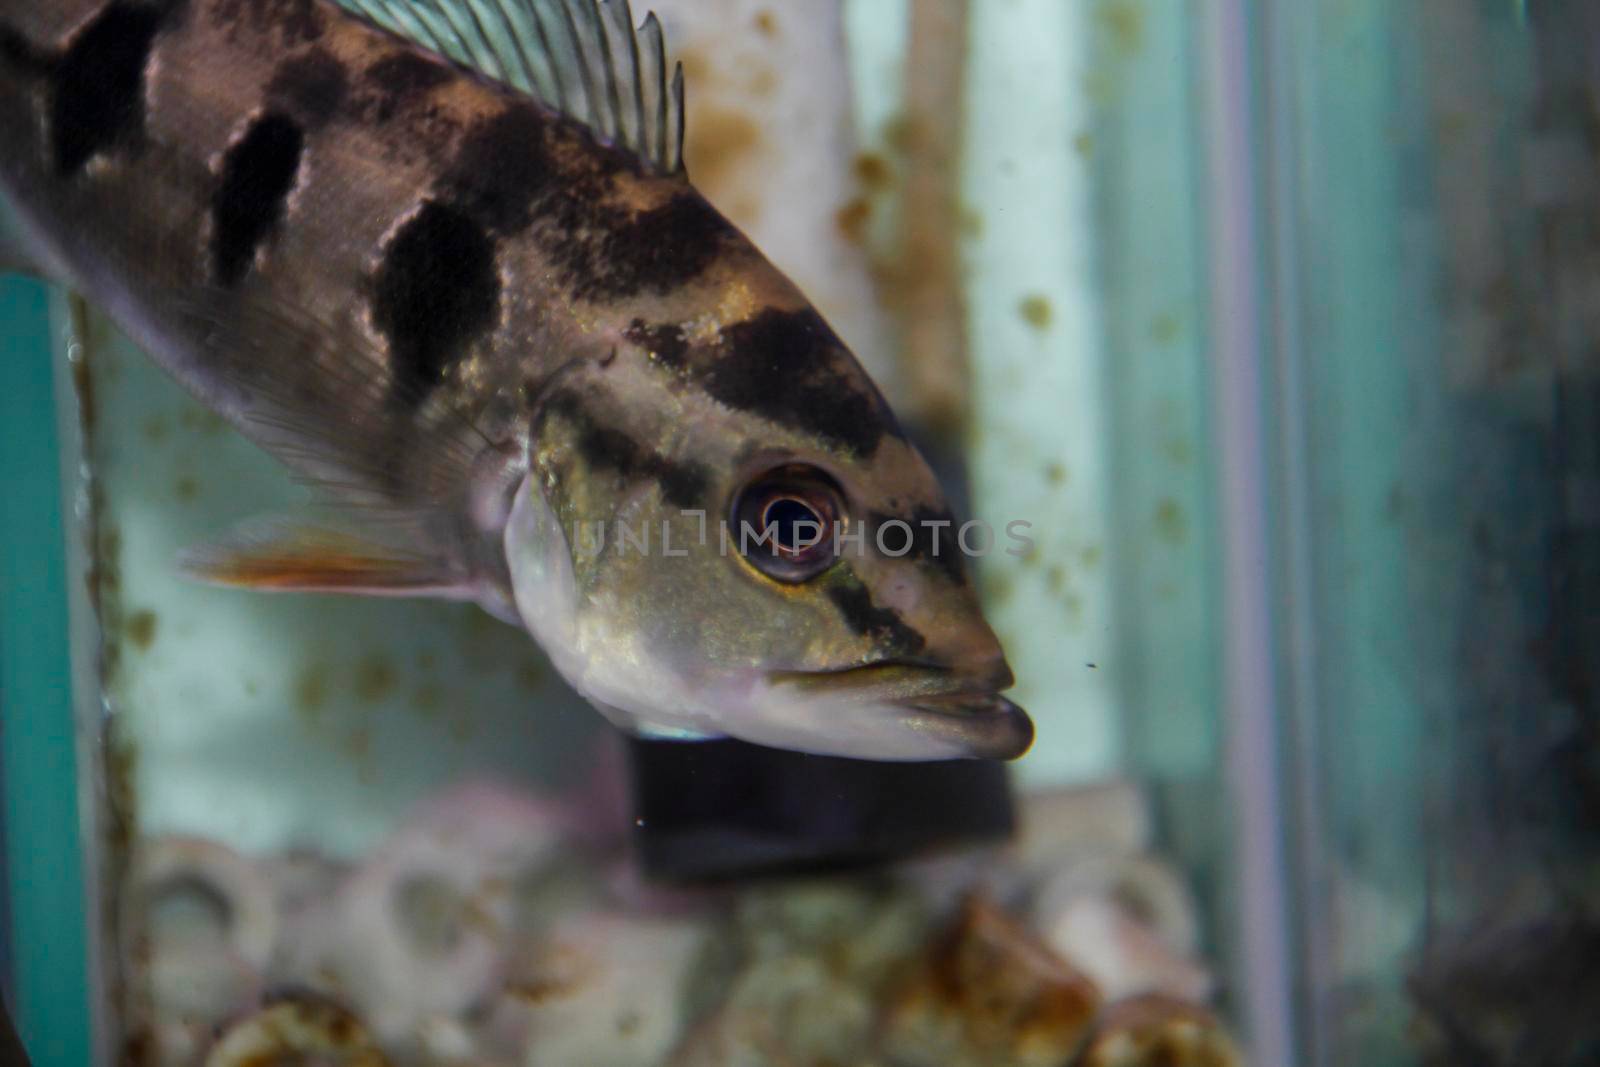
pixel 703 552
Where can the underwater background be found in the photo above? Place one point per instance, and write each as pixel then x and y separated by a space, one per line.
pixel 1276 321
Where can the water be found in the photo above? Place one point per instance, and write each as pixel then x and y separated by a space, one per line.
pixel 1276 322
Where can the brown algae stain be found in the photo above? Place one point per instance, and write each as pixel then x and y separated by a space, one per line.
pixel 199 420
pixel 1037 311
pixel 1170 523
pixel 311 691
pixel 1056 579
pixel 186 489
pixel 1083 144
pixel 853 219
pixel 874 172
pixel 428 698
pixel 719 142
pixel 141 629
pixel 1123 23
pixel 767 23
pixel 1055 473
pixel 1165 329
pixel 375 678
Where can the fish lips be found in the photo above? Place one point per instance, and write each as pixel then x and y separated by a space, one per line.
pixel 977 725
pixel 907 712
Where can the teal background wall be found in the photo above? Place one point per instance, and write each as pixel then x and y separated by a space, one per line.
pixel 47 981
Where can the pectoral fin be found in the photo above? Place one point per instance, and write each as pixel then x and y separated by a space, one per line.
pixel 278 555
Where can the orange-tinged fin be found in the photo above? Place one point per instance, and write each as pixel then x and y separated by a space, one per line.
pixel 280 556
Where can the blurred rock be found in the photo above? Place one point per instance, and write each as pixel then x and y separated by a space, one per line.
pixel 297 1031
pixel 603 989
pixel 988 992
pixel 1125 957
pixel 420 931
pixel 798 977
pixel 1159 1032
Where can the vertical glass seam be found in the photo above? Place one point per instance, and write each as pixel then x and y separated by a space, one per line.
pixel 1252 754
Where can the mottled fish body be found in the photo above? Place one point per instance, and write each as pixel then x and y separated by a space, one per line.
pixel 490 316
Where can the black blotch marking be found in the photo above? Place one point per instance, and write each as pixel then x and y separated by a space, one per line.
pixel 937 544
pixel 501 169
pixel 19 52
pixel 683 484
pixel 257 175
pixel 882 626
pixel 654 251
pixel 297 21
pixel 435 293
pixel 664 341
pixel 312 86
pixel 99 85
pixel 396 81
pixel 789 367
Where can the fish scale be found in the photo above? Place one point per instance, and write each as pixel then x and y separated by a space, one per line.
pixel 483 319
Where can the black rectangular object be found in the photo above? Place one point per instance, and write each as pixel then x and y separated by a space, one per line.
pixel 712 810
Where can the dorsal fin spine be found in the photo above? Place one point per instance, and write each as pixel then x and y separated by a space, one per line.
pixel 633 106
pixel 561 99
pixel 609 51
pixel 585 58
pixel 674 126
pixel 653 84
pixel 509 26
pixel 482 35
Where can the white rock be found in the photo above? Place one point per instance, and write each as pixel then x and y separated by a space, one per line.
pixel 602 990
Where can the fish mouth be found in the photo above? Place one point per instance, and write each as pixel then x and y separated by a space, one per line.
pixel 934 711
pixel 981 725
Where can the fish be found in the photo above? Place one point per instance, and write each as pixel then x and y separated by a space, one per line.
pixel 443 259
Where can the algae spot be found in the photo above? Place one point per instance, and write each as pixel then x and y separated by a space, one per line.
pixel 1178 450
pixel 1055 473
pixel 1123 23
pixel 428 698
pixel 375 678
pixel 1037 311
pixel 1090 557
pixel 853 218
pixel 141 629
pixel 311 690
pixel 186 489
pixel 1164 329
pixel 529 677
pixel 1083 144
pixel 996 585
pixel 762 81
pixel 1171 525
pixel 1056 578
pixel 906 133
pixel 358 742
pixel 767 23
pixel 718 142
pixel 873 171
pixel 200 420
pixel 156 429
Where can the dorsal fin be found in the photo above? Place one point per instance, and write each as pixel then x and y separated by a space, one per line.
pixel 582 57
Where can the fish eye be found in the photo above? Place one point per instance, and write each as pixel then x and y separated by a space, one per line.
pixel 786 523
